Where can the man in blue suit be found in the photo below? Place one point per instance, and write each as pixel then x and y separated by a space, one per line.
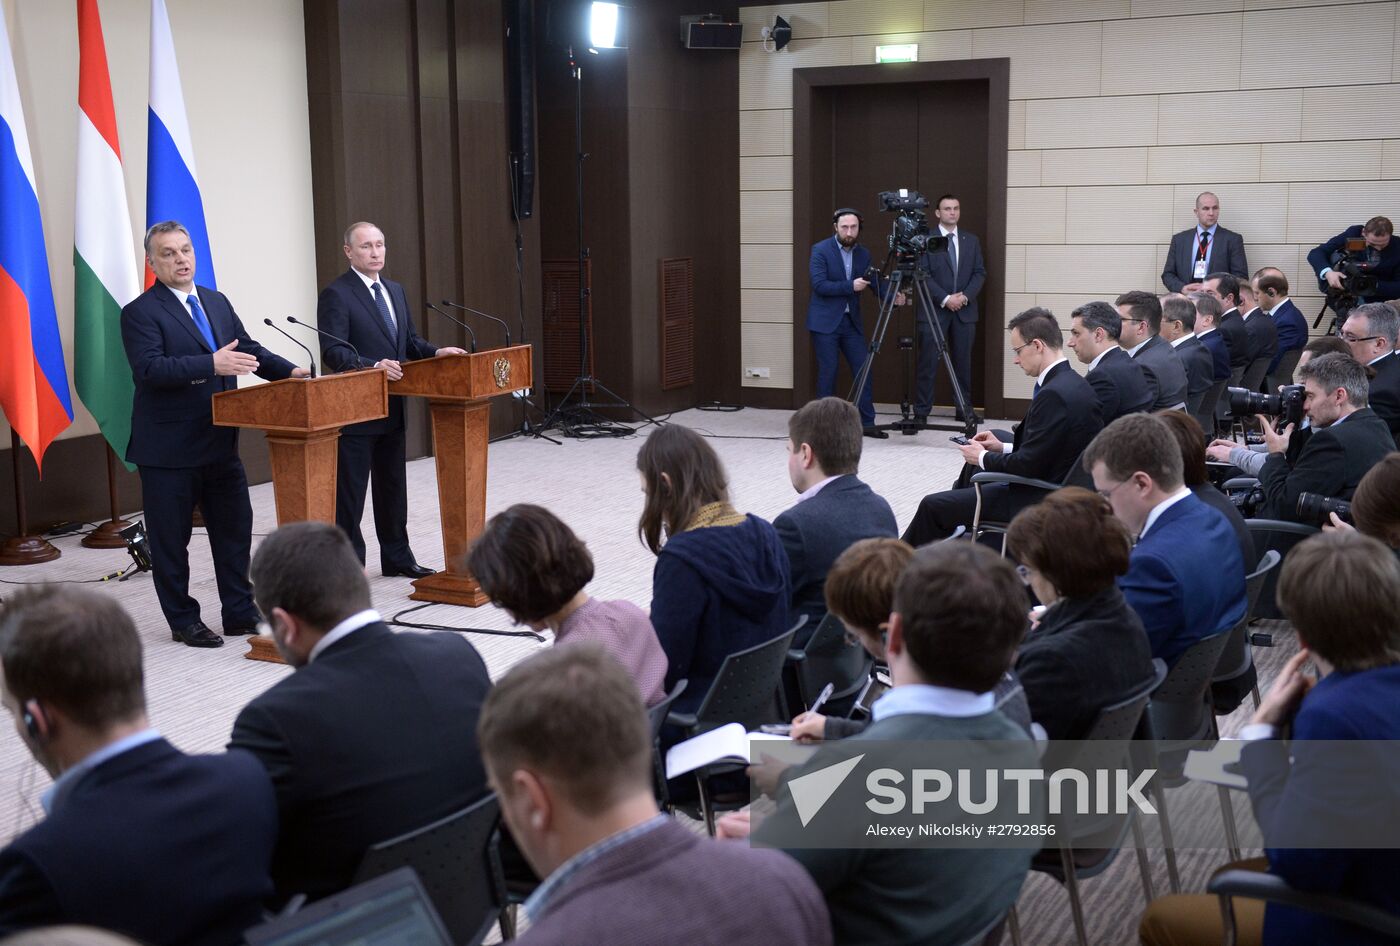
pixel 139 838
pixel 956 277
pixel 1208 309
pixel 185 344
pixel 1381 249
pixel 372 314
pixel 1271 289
pixel 837 268
pixel 834 508
pixel 1181 594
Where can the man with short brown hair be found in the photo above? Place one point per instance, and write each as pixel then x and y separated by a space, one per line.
pixel 568 752
pixel 1142 324
pixel 834 508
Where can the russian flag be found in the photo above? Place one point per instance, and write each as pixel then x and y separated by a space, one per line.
pixel 172 186
pixel 33 377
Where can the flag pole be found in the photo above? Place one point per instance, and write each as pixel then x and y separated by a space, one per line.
pixel 23 549
pixel 108 534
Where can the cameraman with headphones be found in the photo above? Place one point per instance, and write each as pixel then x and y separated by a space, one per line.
pixel 838 270
pixel 1380 259
pixel 1347 440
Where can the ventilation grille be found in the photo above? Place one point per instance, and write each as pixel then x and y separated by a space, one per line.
pixel 677 322
pixel 561 323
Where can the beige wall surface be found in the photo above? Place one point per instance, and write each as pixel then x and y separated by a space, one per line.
pixel 1121 112
pixel 243 68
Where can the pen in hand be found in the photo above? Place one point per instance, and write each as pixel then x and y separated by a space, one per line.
pixel 822 697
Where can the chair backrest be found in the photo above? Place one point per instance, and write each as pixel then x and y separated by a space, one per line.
pixel 1188 678
pixel 1254 581
pixel 1254 374
pixel 453 859
pixel 1280 535
pixel 1120 720
pixel 1238 657
pixel 656 715
pixel 1287 363
pixel 1205 412
pixel 829 658
pixel 746 689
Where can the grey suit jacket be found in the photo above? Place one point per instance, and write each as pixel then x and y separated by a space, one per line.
pixel 1199 363
pixel 1226 256
pixel 1165 375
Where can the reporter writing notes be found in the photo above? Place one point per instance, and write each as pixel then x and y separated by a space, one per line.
pixel 1347 440
pixel 373 315
pixel 185 343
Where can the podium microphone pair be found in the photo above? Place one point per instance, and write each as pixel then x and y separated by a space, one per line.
pixel 335 338
pixel 467 308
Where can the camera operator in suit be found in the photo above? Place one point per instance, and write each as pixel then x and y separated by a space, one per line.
pixel 1142 323
pixel 837 268
pixel 185 344
pixel 956 277
pixel 1347 439
pixel 1382 254
pixel 1117 380
pixel 372 314
pixel 1203 249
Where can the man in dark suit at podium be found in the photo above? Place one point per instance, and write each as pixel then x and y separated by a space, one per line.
pixel 372 314
pixel 1203 250
pixel 186 344
pixel 374 735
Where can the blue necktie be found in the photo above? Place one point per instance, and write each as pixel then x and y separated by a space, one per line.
pixel 201 322
pixel 953 254
pixel 384 312
pixel 1035 390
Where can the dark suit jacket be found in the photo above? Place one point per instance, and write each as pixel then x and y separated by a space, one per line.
pixel 346 309
pixel 1226 256
pixel 1331 464
pixel 1387 269
pixel 157 845
pixel 1199 363
pixel 817 530
pixel 1062 419
pixel 671 886
pixel 1384 398
pixel 971 275
pixel 372 739
pixel 1180 594
pixel 1085 654
pixel 1166 378
pixel 1219 352
pixel 1290 797
pixel 1120 386
pixel 831 290
pixel 1292 330
pixel 1263 336
pixel 173 369
pixel 1231 325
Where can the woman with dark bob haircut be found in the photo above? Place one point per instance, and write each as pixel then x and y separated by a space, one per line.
pixel 721 580
pixel 1089 649
pixel 532 565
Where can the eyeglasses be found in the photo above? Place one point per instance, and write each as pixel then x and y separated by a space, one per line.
pixel 1016 349
pixel 1352 339
pixel 1125 319
pixel 1108 493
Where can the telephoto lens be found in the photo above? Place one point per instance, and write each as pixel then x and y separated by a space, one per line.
pixel 1316 508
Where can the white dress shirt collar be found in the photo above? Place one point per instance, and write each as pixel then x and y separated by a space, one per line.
pixel 344 629
pixel 924 699
pixel 1040 378
pixel 1183 338
pixel 1138 347
pixel 1162 507
pixel 814 489
pixel 1099 357
pixel 944 231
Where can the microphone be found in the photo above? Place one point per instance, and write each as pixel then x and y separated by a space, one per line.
pixel 334 338
pixel 268 323
pixel 458 321
pixel 467 308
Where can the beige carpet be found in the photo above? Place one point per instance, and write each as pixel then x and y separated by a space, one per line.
pixel 593 485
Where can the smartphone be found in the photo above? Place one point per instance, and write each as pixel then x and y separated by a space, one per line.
pixel 776 729
pixel 960 440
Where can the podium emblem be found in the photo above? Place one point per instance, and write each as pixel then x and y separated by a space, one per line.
pixel 501 369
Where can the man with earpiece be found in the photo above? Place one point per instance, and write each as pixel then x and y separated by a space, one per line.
pixel 139 838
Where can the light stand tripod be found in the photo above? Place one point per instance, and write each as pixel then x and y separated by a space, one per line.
pixel 909 270
pixel 581 418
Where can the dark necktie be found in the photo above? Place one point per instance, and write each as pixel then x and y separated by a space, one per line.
pixel 1035 390
pixel 1205 245
pixel 953 254
pixel 201 322
pixel 384 312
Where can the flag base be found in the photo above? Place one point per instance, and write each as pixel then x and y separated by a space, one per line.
pixel 27 550
pixel 107 536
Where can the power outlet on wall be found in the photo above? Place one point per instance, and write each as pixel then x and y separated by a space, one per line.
pixel 765 373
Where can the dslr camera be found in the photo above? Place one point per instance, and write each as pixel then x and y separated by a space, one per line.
pixel 910 235
pixel 1287 404
pixel 1316 508
pixel 1356 262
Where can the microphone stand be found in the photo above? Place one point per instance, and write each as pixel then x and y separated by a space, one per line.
pixel 268 323
pixel 335 338
pixel 525 428
pixel 471 334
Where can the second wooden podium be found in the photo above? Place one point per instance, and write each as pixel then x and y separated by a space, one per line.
pixel 459 389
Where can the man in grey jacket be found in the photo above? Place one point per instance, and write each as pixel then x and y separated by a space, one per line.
pixel 1142 321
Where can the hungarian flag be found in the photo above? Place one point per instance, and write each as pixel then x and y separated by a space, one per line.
pixel 104 254
pixel 33 377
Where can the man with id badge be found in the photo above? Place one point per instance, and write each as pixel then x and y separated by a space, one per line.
pixel 1205 248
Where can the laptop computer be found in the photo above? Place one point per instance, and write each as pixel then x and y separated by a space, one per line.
pixel 390 910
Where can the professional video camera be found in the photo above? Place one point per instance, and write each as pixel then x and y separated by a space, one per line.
pixel 1315 508
pixel 1356 262
pixel 910 234
pixel 1287 405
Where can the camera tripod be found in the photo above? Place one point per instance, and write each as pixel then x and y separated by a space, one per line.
pixel 909 273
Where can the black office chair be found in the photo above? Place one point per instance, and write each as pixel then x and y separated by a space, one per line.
pixel 1085 845
pixel 1274 535
pixel 747 690
pixel 1235 675
pixel 656 718
pixel 1253 378
pixel 826 658
pixel 1179 718
pixel 1026 484
pixel 1205 413
pixel 1283 371
pixel 1257 885
pixel 455 860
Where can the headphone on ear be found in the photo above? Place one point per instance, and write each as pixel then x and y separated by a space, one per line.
pixel 31 723
pixel 845 211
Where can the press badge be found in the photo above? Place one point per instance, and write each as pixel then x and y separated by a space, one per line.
pixel 1200 271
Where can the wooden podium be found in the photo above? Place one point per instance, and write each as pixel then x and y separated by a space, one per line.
pixel 303 417
pixel 459 389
